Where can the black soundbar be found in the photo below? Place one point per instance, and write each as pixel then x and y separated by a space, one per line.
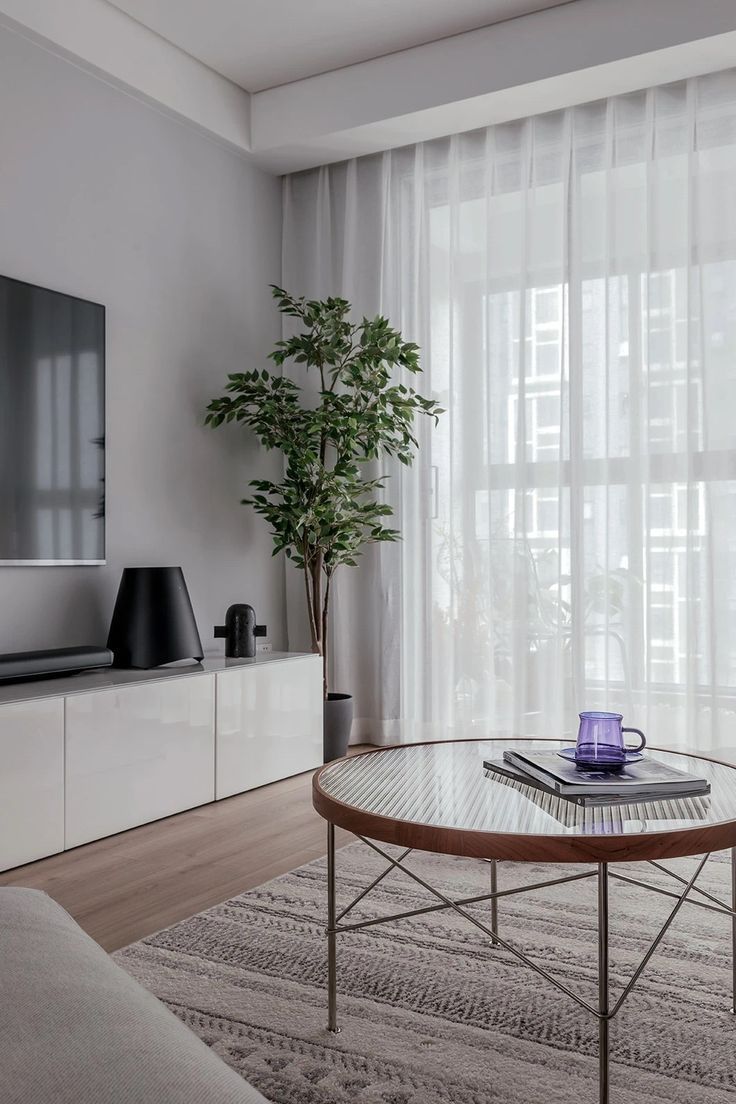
pixel 53 661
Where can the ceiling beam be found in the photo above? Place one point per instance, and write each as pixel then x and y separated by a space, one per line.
pixel 583 50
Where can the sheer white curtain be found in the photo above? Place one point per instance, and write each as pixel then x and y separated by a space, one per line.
pixel 570 528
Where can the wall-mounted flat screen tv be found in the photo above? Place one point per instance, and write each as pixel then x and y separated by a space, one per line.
pixel 52 427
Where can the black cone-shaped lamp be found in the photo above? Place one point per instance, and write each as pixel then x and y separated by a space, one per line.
pixel 153 620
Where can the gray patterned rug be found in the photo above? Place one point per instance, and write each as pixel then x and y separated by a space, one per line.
pixel 430 1012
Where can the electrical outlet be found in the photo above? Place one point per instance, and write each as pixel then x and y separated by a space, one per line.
pixel 263 646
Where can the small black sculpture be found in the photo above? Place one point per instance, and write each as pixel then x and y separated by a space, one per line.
pixel 240 632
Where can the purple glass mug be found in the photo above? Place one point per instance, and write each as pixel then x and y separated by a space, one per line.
pixel 600 741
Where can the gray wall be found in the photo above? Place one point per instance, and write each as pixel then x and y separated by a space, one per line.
pixel 104 197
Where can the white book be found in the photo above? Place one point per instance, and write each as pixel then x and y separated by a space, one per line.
pixel 646 780
pixel 617 810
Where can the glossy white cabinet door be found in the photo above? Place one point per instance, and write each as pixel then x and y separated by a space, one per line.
pixel 31 781
pixel 137 753
pixel 269 723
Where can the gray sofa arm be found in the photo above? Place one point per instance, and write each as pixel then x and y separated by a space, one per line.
pixel 76 1029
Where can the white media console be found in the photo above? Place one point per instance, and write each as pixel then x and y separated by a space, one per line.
pixel 93 754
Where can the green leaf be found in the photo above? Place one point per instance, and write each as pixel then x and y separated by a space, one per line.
pixel 328 506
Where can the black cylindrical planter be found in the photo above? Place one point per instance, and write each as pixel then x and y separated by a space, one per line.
pixel 153 620
pixel 338 720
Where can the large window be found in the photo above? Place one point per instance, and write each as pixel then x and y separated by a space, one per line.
pixel 584 543
pixel 569 529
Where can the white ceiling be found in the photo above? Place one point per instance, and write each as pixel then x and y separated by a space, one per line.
pixel 259 44
pixel 325 80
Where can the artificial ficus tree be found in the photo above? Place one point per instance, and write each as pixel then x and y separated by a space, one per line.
pixel 327 507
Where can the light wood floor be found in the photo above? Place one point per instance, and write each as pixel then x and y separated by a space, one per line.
pixel 127 886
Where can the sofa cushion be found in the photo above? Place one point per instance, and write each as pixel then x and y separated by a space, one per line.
pixel 76 1029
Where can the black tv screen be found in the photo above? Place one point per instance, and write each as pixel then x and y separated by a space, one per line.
pixel 52 427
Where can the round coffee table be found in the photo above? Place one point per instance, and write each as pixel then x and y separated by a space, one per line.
pixel 438 797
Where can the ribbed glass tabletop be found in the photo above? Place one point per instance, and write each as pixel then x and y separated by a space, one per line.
pixel 444 786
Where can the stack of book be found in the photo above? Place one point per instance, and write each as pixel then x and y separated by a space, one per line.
pixel 645 781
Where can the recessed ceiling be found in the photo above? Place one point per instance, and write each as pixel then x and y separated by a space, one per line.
pixel 262 43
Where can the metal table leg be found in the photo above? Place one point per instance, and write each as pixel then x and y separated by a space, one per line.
pixel 603 1003
pixel 605 1009
pixel 494 901
pixel 331 934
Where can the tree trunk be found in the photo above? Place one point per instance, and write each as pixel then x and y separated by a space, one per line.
pixel 325 650
pixel 314 623
pixel 317 606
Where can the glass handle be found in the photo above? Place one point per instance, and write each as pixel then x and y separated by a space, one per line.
pixel 639 732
